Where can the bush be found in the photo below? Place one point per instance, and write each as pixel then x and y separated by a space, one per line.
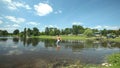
pixel 114 59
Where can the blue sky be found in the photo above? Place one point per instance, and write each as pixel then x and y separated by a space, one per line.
pixel 99 14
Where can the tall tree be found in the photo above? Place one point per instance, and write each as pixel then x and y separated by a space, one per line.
pixel 35 31
pixel 75 29
pixel 104 32
pixel 4 33
pixel 80 29
pixel 88 32
pixel 25 32
pixel 68 31
pixel 47 31
pixel 16 32
pixel 29 32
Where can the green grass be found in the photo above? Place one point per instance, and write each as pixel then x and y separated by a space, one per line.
pixel 74 37
pixel 65 37
pixel 115 39
pixel 114 59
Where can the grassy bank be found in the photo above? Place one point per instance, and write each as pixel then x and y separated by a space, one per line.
pixel 74 37
pixel 115 40
pixel 65 37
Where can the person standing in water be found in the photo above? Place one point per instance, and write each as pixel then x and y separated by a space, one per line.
pixel 57 42
pixel 58 39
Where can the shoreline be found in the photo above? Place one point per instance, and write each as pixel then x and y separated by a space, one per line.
pixel 79 38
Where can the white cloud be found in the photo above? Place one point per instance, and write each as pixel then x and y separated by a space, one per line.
pixel 52 26
pixel 16 25
pixel 33 23
pixel 15 5
pixel 10 28
pixel 1 21
pixel 14 52
pixel 58 12
pixel 77 23
pixel 98 27
pixel 14 19
pixel 43 9
pixel 106 27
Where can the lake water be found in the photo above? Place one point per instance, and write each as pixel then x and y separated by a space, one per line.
pixel 39 53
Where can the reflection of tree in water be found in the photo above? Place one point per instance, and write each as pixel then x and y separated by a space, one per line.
pixel 111 44
pixel 74 46
pixel 28 41
pixel 35 41
pixel 15 40
pixel 3 39
pixel 49 43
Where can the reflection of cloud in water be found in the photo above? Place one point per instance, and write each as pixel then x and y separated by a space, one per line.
pixel 14 52
pixel 14 46
pixel 33 49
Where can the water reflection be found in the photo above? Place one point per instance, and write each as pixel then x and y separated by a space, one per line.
pixel 28 50
pixel 3 39
pixel 58 47
pixel 16 40
pixel 49 43
pixel 30 41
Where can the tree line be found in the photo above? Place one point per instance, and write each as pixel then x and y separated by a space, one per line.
pixel 75 30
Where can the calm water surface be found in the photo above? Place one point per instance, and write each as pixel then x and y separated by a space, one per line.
pixel 37 53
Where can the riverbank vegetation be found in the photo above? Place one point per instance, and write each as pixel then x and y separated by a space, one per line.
pixel 112 61
pixel 76 32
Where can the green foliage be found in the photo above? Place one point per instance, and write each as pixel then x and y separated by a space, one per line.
pixel 29 32
pixel 3 33
pixel 35 31
pixel 16 32
pixel 52 31
pixel 114 59
pixel 88 32
pixel 77 29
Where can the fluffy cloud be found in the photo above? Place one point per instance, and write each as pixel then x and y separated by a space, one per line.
pixel 106 27
pixel 14 19
pixel 77 23
pixel 10 28
pixel 1 21
pixel 52 26
pixel 16 25
pixel 33 23
pixel 43 9
pixel 15 5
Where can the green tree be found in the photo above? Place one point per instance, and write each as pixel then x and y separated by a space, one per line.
pixel 16 32
pixel 3 33
pixel 80 29
pixel 51 31
pixel 62 32
pixel 35 31
pixel 29 32
pixel 68 31
pixel 56 31
pixel 47 31
pixel 104 32
pixel 25 33
pixel 88 32
pixel 77 29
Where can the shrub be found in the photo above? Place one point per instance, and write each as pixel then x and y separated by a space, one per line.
pixel 114 59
